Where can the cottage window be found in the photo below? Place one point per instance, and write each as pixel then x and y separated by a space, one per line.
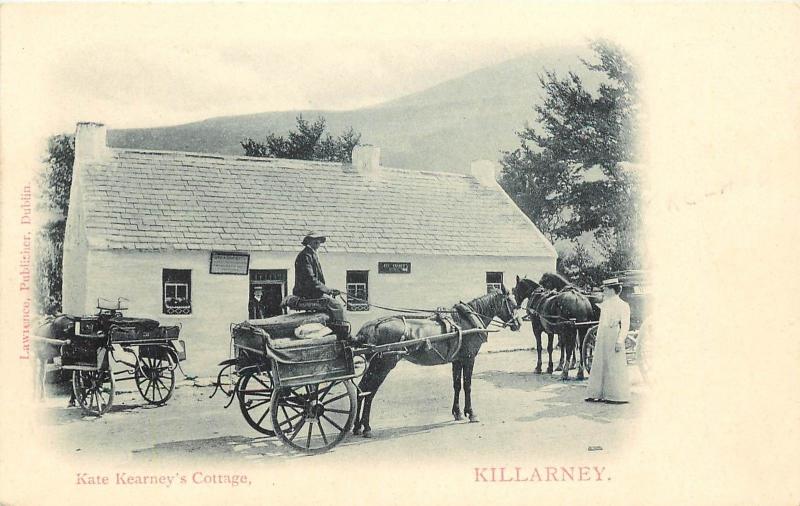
pixel 357 291
pixel 494 281
pixel 177 292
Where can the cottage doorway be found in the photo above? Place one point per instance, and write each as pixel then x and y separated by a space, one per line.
pixel 272 283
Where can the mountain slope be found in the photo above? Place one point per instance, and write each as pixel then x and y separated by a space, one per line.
pixel 475 116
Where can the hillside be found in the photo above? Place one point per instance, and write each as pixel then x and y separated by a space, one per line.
pixel 443 127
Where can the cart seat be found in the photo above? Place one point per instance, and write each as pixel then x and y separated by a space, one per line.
pixel 290 342
pixel 282 326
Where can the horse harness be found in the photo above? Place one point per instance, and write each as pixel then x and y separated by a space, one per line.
pixel 540 298
pixel 447 320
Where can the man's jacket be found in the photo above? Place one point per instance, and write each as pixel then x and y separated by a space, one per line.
pixel 309 282
pixel 257 309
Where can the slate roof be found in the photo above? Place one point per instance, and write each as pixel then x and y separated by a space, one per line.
pixel 158 200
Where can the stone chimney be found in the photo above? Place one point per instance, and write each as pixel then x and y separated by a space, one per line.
pixel 367 159
pixel 485 171
pixel 90 142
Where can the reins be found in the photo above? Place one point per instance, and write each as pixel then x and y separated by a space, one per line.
pixel 435 311
pixel 397 309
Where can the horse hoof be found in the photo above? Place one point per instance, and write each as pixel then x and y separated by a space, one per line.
pixel 549 370
pixel 457 417
pixel 357 431
pixel 565 377
pixel 473 419
pixel 580 376
pixel 367 434
pixel 538 370
pixel 558 369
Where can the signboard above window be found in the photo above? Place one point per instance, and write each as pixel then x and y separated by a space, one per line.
pixel 225 262
pixel 394 267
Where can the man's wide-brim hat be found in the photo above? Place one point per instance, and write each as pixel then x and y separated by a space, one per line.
pixel 311 236
pixel 612 283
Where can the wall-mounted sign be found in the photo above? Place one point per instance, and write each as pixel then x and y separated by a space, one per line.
pixel 229 263
pixel 394 267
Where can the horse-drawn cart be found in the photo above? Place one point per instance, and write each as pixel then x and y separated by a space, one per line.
pixel 635 293
pixel 302 390
pixel 86 346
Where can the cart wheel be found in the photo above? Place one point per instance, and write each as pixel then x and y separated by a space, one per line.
pixel 588 348
pixel 94 390
pixel 314 418
pixel 155 379
pixel 255 396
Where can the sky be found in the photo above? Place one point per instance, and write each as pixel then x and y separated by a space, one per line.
pixel 142 66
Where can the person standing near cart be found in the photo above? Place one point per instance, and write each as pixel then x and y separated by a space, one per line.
pixel 309 283
pixel 257 308
pixel 608 381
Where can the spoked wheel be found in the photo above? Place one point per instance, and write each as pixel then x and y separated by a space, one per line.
pixel 314 418
pixel 155 379
pixel 588 348
pixel 94 390
pixel 255 397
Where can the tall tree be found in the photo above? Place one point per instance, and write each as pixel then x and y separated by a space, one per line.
pixel 54 185
pixel 308 142
pixel 575 171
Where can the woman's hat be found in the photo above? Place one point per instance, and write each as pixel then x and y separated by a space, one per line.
pixel 312 235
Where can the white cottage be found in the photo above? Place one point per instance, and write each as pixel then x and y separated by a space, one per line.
pixel 186 237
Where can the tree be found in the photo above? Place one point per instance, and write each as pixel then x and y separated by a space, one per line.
pixel 54 186
pixel 574 171
pixel 308 142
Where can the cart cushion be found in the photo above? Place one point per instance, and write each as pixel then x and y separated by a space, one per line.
pixel 283 325
pixel 284 343
pixel 136 323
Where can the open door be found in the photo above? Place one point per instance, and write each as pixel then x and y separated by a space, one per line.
pixel 272 283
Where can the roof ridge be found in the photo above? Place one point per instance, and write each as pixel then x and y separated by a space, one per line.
pixel 220 156
pixel 263 159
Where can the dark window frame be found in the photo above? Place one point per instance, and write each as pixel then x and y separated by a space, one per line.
pixel 176 291
pixel 359 288
pixel 492 282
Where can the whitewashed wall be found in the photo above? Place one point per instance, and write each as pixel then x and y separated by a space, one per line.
pixel 219 300
pixel 73 286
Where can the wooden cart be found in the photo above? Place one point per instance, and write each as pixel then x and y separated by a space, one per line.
pixel 302 390
pixel 88 345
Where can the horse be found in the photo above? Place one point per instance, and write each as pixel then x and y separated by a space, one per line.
pixel 461 352
pixel 555 306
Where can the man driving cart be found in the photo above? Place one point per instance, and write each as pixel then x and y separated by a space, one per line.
pixel 309 283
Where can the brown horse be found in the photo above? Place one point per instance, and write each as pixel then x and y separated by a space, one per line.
pixel 475 314
pixel 554 307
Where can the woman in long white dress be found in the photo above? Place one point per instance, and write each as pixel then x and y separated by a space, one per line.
pixel 608 381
